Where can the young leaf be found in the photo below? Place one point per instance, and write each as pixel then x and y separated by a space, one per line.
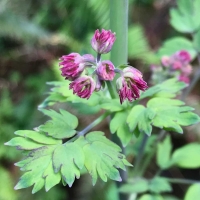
pixel 158 185
pixel 183 18
pixel 193 192
pixel 68 159
pixel 175 44
pixel 187 156
pixel 141 117
pixel 37 166
pixel 37 137
pixel 169 114
pixel 164 153
pixel 103 157
pixel 118 125
pixel 167 89
pixel 137 186
pixel 112 105
pixel 62 124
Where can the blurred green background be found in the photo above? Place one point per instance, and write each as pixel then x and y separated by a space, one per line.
pixel 33 35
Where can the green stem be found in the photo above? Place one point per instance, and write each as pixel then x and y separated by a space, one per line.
pixel 149 157
pixel 181 181
pixel 111 90
pixel 93 124
pixel 137 166
pixel 89 127
pixel 119 54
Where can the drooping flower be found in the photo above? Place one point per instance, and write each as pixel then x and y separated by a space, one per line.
pixel 74 64
pixel 183 56
pixel 186 70
pixel 166 61
pixel 130 84
pixel 83 86
pixel 176 65
pixel 103 41
pixel 105 70
pixel 184 78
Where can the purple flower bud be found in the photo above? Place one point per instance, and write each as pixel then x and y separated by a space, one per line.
pixel 184 78
pixel 83 86
pixel 186 70
pixel 103 41
pixel 183 56
pixel 105 70
pixel 176 65
pixel 74 64
pixel 130 84
pixel 166 61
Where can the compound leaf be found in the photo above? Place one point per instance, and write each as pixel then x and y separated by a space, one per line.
pixel 118 125
pixel 70 167
pixel 62 124
pixel 103 157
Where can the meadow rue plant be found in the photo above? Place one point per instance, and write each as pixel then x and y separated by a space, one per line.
pixel 60 150
pixel 73 65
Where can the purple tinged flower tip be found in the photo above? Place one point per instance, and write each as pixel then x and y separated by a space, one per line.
pixel 105 70
pixel 184 78
pixel 187 70
pixel 103 41
pixel 130 84
pixel 83 86
pixel 166 61
pixel 74 64
pixel 183 56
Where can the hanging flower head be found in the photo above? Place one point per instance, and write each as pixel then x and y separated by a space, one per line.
pixel 74 64
pixel 84 81
pixel 103 41
pixel 130 84
pixel 105 70
pixel 83 86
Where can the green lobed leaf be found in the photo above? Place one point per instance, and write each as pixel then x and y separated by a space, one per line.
pixel 183 18
pixel 164 153
pixel 168 88
pixel 175 44
pixel 118 125
pixel 23 143
pixel 159 185
pixel 37 169
pixel 62 124
pixel 37 137
pixel 61 93
pixel 103 157
pixel 187 156
pixel 112 105
pixel 68 159
pixel 193 192
pixel 46 164
pixel 137 186
pixel 169 114
pixel 141 117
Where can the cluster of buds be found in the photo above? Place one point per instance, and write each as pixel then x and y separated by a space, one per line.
pixel 176 65
pixel 74 68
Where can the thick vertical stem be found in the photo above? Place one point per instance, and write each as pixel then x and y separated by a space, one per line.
pixel 119 25
pixel 119 53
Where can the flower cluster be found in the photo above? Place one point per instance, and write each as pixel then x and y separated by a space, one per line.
pixel 176 65
pixel 74 68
